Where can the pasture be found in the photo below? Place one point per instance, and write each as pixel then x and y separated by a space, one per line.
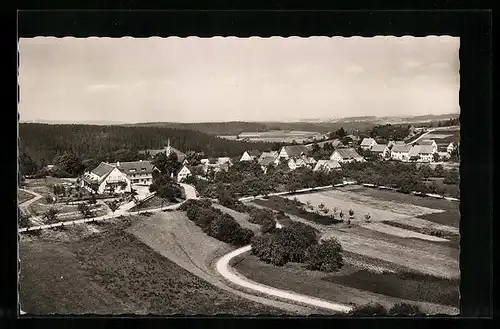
pixel 394 256
pixel 281 136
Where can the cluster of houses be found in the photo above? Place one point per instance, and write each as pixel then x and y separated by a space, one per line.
pixel 421 151
pixel 120 176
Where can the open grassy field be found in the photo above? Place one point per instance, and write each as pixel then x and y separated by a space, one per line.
pixel 24 196
pixel 444 137
pixel 174 236
pixel 108 271
pixel 294 277
pixel 446 212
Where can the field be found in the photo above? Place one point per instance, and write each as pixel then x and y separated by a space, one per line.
pixel 395 255
pixel 341 287
pixel 82 270
pixel 279 136
pixel 444 137
pixel 24 196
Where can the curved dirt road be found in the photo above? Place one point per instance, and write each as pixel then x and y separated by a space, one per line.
pixel 27 203
pixel 231 275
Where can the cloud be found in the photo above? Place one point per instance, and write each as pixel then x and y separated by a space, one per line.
pixel 102 87
pixel 411 64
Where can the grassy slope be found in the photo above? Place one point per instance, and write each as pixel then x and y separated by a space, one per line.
pixel 294 277
pixel 24 196
pixel 116 273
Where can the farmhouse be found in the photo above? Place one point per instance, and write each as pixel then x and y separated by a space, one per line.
pixel 400 152
pixel 393 143
pixel 106 178
pixel 381 149
pixel 291 151
pixel 167 150
pixel 183 173
pixel 429 142
pixel 326 165
pixel 423 153
pixel 272 154
pixel 367 143
pixel 267 161
pixel 250 155
pixel 444 155
pixel 342 155
pixel 138 172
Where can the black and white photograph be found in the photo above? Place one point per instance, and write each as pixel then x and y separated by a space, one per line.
pixel 246 176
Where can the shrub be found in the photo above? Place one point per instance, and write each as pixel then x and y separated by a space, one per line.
pixel 266 248
pixel 225 228
pixel 51 215
pixel 372 309
pixel 325 257
pixel 84 209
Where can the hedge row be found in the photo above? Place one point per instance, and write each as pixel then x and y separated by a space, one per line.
pixel 215 223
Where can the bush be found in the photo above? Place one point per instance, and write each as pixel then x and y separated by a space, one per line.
pixel 265 247
pixel 372 309
pixel 325 257
pixel 405 309
pixel 226 229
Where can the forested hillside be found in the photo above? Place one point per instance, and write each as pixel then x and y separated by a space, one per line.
pixel 44 142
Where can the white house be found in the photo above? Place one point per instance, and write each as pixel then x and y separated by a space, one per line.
pixel 400 152
pixel 367 143
pixel 327 165
pixel 344 155
pixel 425 153
pixel 429 142
pixel 294 163
pixel 381 149
pixel 106 178
pixel 138 172
pixel 450 147
pixel 250 155
pixel 183 173
pixel 444 155
pixel 292 151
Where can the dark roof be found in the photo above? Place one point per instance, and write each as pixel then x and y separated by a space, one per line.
pixel 331 164
pixel 348 153
pixel 296 150
pixel 103 169
pixel 254 153
pixel 133 167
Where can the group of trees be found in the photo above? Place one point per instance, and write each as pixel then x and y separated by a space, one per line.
pixel 215 223
pixel 298 243
pixel 166 187
pixel 389 132
pixel 92 144
pixel 406 177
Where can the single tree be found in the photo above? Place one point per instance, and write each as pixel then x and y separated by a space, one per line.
pixel 367 217
pixel 49 199
pixel 84 209
pixel 341 215
pixel 351 213
pixel 321 206
pixel 51 215
pixel 113 205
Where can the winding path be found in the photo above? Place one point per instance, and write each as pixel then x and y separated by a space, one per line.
pixel 224 269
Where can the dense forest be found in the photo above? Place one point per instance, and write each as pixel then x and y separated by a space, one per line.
pixel 43 142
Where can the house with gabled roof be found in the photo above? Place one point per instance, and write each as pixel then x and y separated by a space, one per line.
pixel 250 155
pixel 423 153
pixel 183 173
pixel 367 143
pixel 293 151
pixel 392 143
pixel 268 161
pixel 345 155
pixel 381 150
pixel 336 143
pixel 139 172
pixel 271 154
pixel 106 178
pixel 327 165
pixel 400 152
pixel 451 147
pixel 430 142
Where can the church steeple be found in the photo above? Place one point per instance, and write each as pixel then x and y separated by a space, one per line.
pixel 168 147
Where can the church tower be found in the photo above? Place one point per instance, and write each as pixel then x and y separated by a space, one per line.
pixel 168 150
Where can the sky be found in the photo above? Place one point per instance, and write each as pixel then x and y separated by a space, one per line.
pixel 236 79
